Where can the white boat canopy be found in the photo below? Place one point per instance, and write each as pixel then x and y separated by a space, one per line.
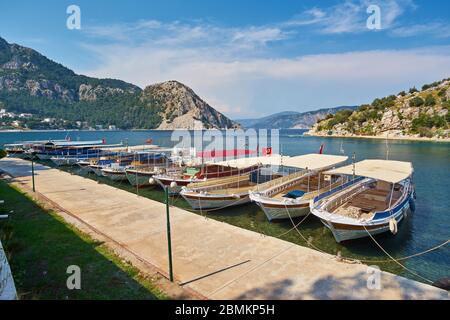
pixel 274 160
pixel 310 161
pixel 314 161
pixel 385 170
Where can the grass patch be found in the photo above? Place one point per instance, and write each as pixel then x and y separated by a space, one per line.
pixel 40 246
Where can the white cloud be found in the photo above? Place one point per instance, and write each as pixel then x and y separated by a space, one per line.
pixel 435 29
pixel 242 86
pixel 234 69
pixel 350 16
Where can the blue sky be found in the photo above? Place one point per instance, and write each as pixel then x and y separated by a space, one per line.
pixel 246 58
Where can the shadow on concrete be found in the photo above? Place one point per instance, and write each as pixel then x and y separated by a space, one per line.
pixel 215 272
pixel 20 168
pixel 345 288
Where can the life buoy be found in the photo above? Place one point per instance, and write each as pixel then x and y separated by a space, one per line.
pixel 393 226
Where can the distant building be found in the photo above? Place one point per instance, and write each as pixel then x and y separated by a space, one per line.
pixel 98 127
pixel 112 127
pixel 48 120
pixel 2 111
pixel 25 115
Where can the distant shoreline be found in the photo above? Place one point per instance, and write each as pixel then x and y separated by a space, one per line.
pixel 422 139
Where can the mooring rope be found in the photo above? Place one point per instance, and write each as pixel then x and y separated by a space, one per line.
pixel 364 260
pixel 396 261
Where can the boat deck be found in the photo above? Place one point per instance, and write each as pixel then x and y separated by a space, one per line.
pixel 243 187
pixel 365 204
pixel 303 186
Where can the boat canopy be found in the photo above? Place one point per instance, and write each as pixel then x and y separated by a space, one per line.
pixel 73 143
pixel 314 161
pixel 385 170
pixel 310 161
pixel 274 160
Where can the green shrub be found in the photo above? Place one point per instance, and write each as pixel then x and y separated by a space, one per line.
pixel 364 107
pixel 413 90
pixel 368 130
pixel 442 92
pixel 416 102
pixel 430 101
pixel 426 121
pixel 2 153
pixel 425 132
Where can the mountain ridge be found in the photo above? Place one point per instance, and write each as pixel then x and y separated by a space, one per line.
pixel 291 119
pixel 32 83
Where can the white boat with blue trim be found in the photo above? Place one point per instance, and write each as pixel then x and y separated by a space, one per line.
pixel 375 199
pixel 288 196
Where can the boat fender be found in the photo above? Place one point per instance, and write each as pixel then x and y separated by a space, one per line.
pixel 173 184
pixel 393 226
pixel 235 196
pixel 151 180
pixel 412 204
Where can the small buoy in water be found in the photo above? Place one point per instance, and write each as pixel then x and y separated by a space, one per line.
pixel 443 283
pixel 173 184
pixel 393 226
pixel 151 180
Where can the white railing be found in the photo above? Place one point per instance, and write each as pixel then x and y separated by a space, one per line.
pixel 345 197
pixel 7 287
pixel 279 184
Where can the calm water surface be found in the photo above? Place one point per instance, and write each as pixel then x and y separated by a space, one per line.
pixel 428 226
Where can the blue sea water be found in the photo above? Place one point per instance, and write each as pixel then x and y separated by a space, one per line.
pixel 428 226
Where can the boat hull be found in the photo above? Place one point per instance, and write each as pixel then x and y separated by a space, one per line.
pixel 115 175
pixel 284 211
pixel 97 170
pixel 345 232
pixel 140 179
pixel 166 182
pixel 198 201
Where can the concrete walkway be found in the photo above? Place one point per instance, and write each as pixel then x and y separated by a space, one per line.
pixel 216 260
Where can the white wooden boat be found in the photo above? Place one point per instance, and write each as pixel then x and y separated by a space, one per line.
pixel 376 197
pixel 289 196
pixel 201 173
pixel 232 190
pixel 115 172
pixel 142 176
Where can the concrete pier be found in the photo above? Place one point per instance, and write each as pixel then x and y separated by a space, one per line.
pixel 214 259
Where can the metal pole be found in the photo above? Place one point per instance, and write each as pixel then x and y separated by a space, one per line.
pixel 32 172
pixel 353 164
pixel 169 241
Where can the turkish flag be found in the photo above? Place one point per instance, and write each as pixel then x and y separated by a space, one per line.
pixel 267 151
pixel 321 149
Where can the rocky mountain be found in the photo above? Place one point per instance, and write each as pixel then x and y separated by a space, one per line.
pixel 182 108
pixel 291 119
pixel 32 83
pixel 415 114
